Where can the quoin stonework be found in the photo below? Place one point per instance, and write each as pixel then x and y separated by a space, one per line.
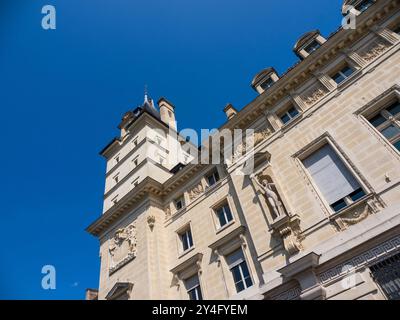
pixel 318 216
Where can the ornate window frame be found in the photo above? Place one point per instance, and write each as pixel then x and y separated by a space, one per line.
pixel 373 107
pixel 353 213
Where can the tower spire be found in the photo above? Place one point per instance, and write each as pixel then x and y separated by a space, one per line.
pixel 146 99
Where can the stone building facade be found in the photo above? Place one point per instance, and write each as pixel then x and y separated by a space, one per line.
pixel 319 218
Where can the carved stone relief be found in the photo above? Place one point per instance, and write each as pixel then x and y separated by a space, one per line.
pixel 314 95
pixel 358 213
pixel 122 247
pixel 374 50
pixel 196 191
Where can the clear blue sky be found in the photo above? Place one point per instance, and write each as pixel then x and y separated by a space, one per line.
pixel 63 92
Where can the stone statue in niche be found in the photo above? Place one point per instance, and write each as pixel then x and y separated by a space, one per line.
pixel 270 192
pixel 122 247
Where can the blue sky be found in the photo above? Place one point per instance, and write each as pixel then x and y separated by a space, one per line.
pixel 63 92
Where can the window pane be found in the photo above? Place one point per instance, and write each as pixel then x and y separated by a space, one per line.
pixel 312 47
pixel 338 78
pixel 185 242
pixel 249 282
pixel 192 294
pixel 245 269
pixel 199 294
pixel 358 194
pixel 267 84
pixel 364 5
pixel 347 71
pixel 377 120
pixel 211 180
pixel 339 205
pixel 228 213
pixel 237 277
pixel 293 112
pixel 221 217
pixel 285 118
pixel 397 145
pixel 190 239
pixel 394 109
pixel 390 131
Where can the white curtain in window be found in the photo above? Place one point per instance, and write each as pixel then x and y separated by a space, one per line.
pixel 330 174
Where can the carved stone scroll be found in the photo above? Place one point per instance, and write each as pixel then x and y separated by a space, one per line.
pixel 122 247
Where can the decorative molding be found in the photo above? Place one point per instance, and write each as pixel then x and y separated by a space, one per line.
pixel 357 212
pixel 374 49
pixel 288 229
pixel 368 257
pixel 315 94
pixel 291 294
pixel 196 191
pixel 151 221
pixel 123 247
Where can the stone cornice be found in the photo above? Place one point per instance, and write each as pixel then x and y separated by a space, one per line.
pixel 304 70
pixel 145 188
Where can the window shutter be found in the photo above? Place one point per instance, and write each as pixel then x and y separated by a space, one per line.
pixel 192 282
pixel 235 258
pixel 330 174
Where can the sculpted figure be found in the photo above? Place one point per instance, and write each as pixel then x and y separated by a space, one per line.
pixel 271 195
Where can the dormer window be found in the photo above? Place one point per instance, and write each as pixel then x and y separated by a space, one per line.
pixel 267 84
pixel 364 5
pixel 312 47
pixel 264 80
pixel 359 5
pixel 308 43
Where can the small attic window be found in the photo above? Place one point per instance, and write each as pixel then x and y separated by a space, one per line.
pixel 314 45
pixel 268 83
pixel 364 5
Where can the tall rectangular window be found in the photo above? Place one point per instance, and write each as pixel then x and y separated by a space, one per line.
pixel 387 122
pixel 342 74
pixel 224 214
pixel 186 239
pixel 193 288
pixel 179 203
pixel 333 178
pixel 240 271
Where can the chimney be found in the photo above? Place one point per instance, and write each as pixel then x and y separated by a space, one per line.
pixel 230 111
pixel 167 113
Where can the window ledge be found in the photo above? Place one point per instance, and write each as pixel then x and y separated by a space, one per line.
pixel 184 253
pixel 349 81
pixel 219 230
pixel 286 127
pixel 356 212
